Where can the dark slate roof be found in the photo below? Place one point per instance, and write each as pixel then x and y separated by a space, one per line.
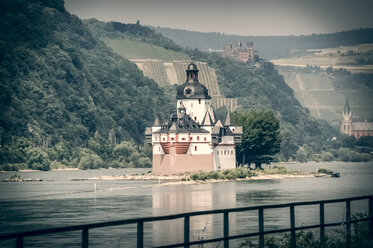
pixel 229 120
pixel 207 120
pixel 347 109
pixel 181 124
pixel 192 88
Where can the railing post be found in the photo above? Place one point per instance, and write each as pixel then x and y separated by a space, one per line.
pixel 19 242
pixel 186 231
pixel 292 226
pixel 226 229
pixel 140 234
pixel 348 223
pixel 322 227
pixel 371 218
pixel 261 228
pixel 85 238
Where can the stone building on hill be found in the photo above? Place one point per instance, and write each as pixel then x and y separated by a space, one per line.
pixel 352 126
pixel 193 139
pixel 239 51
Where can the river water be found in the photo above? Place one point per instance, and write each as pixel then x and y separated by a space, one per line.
pixel 58 200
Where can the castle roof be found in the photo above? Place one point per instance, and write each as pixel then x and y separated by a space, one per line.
pixel 347 109
pixel 181 124
pixel 207 120
pixel 192 88
pixel 228 119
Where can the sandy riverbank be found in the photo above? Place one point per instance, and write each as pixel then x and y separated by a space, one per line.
pixel 186 179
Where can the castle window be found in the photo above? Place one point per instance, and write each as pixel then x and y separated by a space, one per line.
pixel 191 138
pixel 231 152
pixel 199 101
pixel 204 139
pixel 164 139
pixel 182 138
pixel 195 148
pixel 197 137
pixel 225 152
pixel 172 138
pixel 195 118
pixel 344 127
pixel 188 91
pixel 217 152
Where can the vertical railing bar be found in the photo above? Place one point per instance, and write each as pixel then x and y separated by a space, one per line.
pixel 261 228
pixel 140 234
pixel 226 229
pixel 322 227
pixel 19 242
pixel 186 231
pixel 348 223
pixel 85 238
pixel 371 218
pixel 292 226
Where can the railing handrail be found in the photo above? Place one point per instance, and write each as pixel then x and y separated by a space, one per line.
pixel 191 214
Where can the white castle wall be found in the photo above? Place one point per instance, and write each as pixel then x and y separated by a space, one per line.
pixel 195 108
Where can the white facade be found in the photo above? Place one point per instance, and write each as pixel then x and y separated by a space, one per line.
pixel 195 108
pixel 193 139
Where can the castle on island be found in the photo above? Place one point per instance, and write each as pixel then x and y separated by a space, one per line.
pixel 352 126
pixel 193 139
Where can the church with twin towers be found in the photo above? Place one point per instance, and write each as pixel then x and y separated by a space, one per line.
pixel 193 139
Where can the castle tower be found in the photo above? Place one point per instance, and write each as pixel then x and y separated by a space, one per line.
pixel 346 125
pixel 193 95
pixel 193 139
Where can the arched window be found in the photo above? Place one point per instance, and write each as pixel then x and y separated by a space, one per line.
pixel 195 148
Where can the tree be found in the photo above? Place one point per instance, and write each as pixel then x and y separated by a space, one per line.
pixel 260 137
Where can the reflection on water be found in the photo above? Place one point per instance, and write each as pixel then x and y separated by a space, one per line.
pixel 187 198
pixel 59 201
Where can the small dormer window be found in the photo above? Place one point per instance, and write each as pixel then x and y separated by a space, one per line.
pixel 188 91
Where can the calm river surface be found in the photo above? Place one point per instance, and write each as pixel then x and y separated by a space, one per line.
pixel 60 201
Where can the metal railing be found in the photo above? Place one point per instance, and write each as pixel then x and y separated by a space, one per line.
pixel 19 237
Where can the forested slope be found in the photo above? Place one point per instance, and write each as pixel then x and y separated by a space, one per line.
pixel 269 47
pixel 61 85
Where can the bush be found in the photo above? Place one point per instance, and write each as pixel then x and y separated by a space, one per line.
pixel 325 171
pixel 90 161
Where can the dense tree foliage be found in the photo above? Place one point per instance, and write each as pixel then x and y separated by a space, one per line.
pixel 62 87
pixel 260 137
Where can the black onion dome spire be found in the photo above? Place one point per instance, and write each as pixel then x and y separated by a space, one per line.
pixel 192 88
pixel 347 109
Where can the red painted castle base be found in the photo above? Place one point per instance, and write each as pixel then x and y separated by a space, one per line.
pixel 172 163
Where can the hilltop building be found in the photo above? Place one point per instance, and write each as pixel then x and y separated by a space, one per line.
pixel 239 51
pixel 193 139
pixel 352 126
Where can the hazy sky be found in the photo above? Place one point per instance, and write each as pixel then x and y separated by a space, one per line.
pixel 244 17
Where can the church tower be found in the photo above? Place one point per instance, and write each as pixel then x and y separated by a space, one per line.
pixel 193 95
pixel 346 126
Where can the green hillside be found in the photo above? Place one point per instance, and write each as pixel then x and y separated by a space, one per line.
pixel 69 96
pixel 324 92
pixel 63 89
pixel 269 47
pixel 157 58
